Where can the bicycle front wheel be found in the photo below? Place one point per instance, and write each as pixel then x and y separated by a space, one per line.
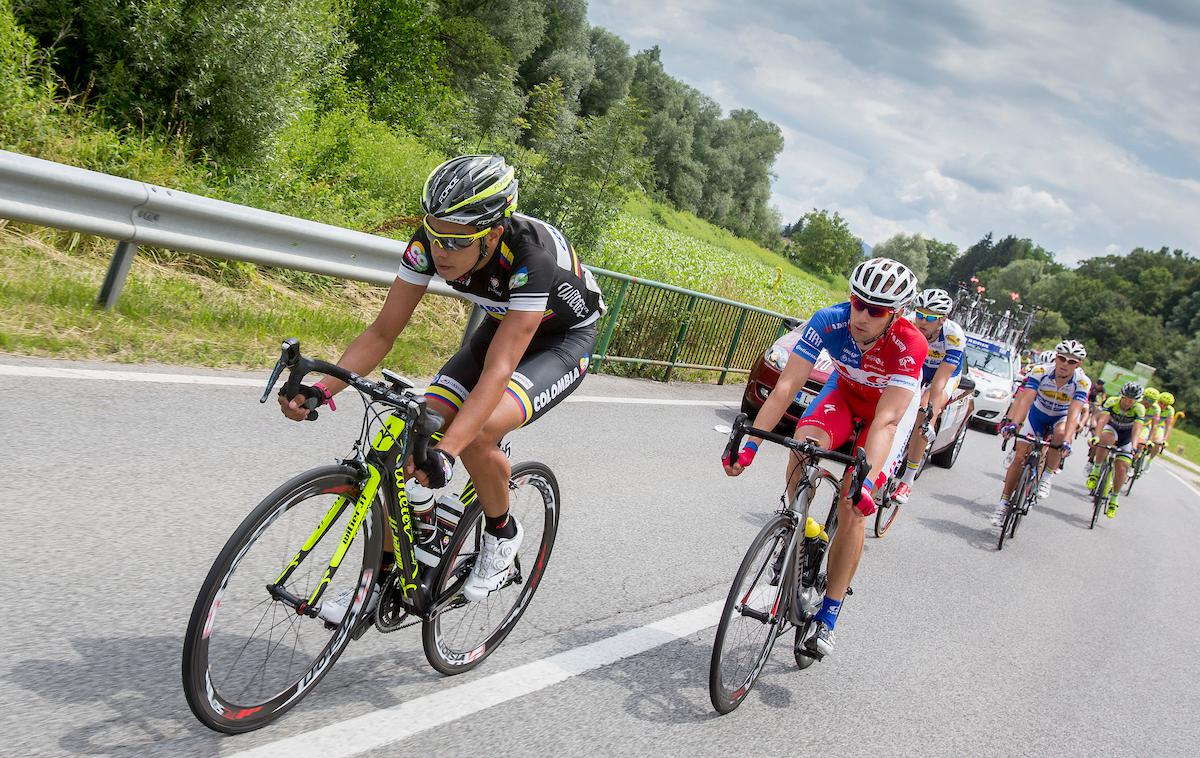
pixel 1100 494
pixel 248 656
pixel 462 634
pixel 753 614
pixel 885 514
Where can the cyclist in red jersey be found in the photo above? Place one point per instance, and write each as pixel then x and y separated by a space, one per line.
pixel 877 356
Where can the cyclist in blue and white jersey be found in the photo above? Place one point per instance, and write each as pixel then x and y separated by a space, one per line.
pixel 1049 403
pixel 939 375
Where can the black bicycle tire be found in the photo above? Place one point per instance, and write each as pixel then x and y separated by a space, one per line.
pixel 724 702
pixel 250 716
pixel 461 663
pixel 1096 494
pixel 1011 509
pixel 804 661
pixel 882 525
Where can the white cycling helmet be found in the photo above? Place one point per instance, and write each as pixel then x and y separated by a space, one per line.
pixel 883 282
pixel 935 301
pixel 1073 348
pixel 1046 356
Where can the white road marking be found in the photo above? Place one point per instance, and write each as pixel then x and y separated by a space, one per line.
pixel 54 372
pixel 1183 481
pixel 379 728
pixel 51 372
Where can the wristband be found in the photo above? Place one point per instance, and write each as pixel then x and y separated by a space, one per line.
pixel 326 395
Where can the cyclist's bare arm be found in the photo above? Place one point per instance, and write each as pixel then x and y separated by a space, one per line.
pixel 369 349
pixel 937 388
pixel 888 412
pixel 1137 435
pixel 1102 421
pixel 504 353
pixel 1020 406
pixel 791 381
pixel 1074 417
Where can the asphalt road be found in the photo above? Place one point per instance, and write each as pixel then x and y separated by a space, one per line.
pixel 117 495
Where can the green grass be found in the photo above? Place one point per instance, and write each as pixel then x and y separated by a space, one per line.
pixel 1188 441
pixel 643 247
pixel 711 236
pixel 168 315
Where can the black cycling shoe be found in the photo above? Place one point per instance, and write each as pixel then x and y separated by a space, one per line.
pixel 820 642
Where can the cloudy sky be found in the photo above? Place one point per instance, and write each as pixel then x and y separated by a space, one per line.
pixel 1076 124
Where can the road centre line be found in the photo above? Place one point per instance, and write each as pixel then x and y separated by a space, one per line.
pixel 382 727
pixel 51 372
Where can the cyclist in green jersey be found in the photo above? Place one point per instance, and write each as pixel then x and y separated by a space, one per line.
pixel 1121 420
pixel 1165 424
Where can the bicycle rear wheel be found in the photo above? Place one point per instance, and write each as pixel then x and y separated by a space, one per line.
pixel 751 619
pixel 248 657
pixel 459 637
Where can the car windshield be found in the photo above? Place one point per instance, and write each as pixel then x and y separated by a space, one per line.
pixel 995 364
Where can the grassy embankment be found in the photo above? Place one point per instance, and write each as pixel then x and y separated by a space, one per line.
pixel 339 167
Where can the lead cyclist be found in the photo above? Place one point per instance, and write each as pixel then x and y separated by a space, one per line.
pixel 530 352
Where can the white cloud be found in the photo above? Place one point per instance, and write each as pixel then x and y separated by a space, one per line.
pixel 1070 124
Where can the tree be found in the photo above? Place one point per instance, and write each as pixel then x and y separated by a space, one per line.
pixel 941 257
pixel 398 62
pixel 1183 374
pixel 228 75
pixel 909 249
pixel 586 179
pixel 1018 276
pixel 613 72
pixel 823 243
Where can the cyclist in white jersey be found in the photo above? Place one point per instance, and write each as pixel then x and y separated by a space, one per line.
pixel 1049 403
pixel 939 375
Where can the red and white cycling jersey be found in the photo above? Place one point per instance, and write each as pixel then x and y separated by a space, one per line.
pixel 894 360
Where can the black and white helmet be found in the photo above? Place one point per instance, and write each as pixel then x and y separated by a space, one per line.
pixel 1046 356
pixel 935 301
pixel 1073 348
pixel 884 282
pixel 475 190
pixel 1133 390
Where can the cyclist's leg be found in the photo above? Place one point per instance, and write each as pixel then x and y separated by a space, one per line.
pixel 916 443
pixel 1054 455
pixel 824 421
pixel 846 548
pixel 1124 443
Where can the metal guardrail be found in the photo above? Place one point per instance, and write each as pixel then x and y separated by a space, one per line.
pixel 648 323
pixel 647 319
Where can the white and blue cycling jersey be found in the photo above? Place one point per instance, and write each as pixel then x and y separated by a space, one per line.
pixel 947 347
pixel 1051 399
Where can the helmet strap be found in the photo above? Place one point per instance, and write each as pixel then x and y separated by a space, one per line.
pixel 873 340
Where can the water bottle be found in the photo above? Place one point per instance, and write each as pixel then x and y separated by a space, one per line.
pixel 420 502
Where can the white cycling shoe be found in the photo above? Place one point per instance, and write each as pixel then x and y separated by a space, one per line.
pixel 494 565
pixel 999 514
pixel 334 609
pixel 1044 487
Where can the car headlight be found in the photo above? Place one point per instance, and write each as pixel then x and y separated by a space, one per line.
pixel 995 394
pixel 777 357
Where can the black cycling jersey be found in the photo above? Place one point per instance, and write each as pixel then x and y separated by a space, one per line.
pixel 534 268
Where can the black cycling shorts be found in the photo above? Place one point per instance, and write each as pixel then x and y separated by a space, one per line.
pixel 552 367
pixel 1124 443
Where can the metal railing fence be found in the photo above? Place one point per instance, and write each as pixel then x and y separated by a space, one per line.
pixel 648 323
